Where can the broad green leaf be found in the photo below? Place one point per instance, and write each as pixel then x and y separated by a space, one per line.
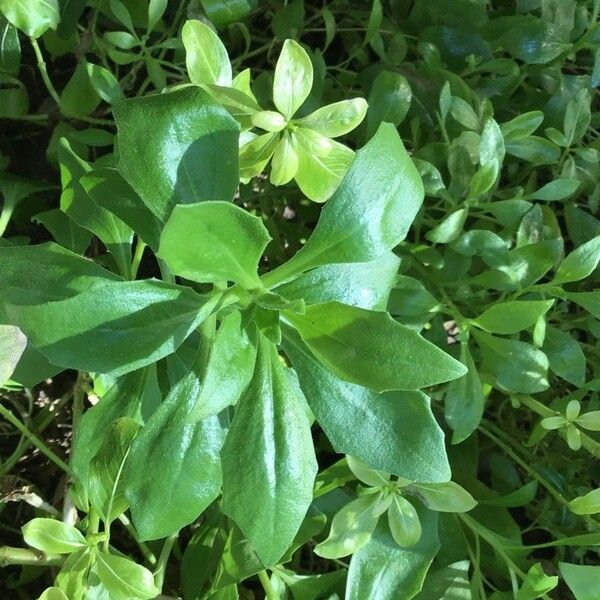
pixel 560 188
pixel 214 241
pixel 404 522
pixel 64 230
pixel 322 163
pixel 52 536
pixel 389 100
pixel 173 471
pixel 565 355
pixel 12 346
pixel 588 300
pixel 190 154
pixel 206 58
pixel 350 341
pixel 586 505
pixel 135 395
pixel 522 125
pixel 464 400
pixel 534 149
pixel 371 211
pixel 395 432
pixel 445 497
pixel 105 482
pixel 229 370
pixel 353 525
pixel 32 17
pixel 53 593
pixel 117 327
pixel 366 285
pixel 583 580
pixel 336 119
pixel 518 366
pixel 284 166
pixel 293 78
pixel 381 569
pixel 536 584
pixel 268 459
pixel 124 579
pixel 449 583
pixel 512 316
pixel 580 263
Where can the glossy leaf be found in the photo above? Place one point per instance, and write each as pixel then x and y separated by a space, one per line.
pixel 583 580
pixel 52 536
pixel 293 78
pixel 580 263
pixel 589 504
pixel 12 346
pixel 512 317
pixel 32 17
pixel 205 55
pixel 124 579
pixel 336 119
pixel 404 522
pixel 445 497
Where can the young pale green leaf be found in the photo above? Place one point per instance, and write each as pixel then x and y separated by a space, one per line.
pixel 404 522
pixel 268 459
pixel 229 370
pixel 366 474
pixel 255 154
pixel 361 423
pixel 52 536
pixel 173 471
pixel 117 327
pixel 32 17
pixel 583 580
pixel 445 497
pixel 205 55
pixel 382 569
pixel 389 100
pixel 536 584
pixel 12 346
pixel 580 263
pixel 371 211
pixel 336 119
pixel 350 341
pixel 366 285
pixel 269 120
pixel 450 227
pixel 214 241
pixel 589 420
pixel 465 400
pixel 284 166
pixel 124 579
pixel 353 525
pixel 586 505
pixel 565 355
pixel 53 593
pixel 190 154
pixel 104 480
pixel 293 78
pixel 512 316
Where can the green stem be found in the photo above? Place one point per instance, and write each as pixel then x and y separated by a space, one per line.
pixel 7 211
pixel 144 549
pixel 8 415
pixel 163 559
pixel 266 584
pixel 137 257
pixel 25 556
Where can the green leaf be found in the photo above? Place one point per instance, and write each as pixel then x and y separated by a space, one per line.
pixel 104 482
pixel 124 579
pixel 53 593
pixel 536 584
pixel 105 83
pixel 226 12
pixel 588 300
pixel 381 569
pixel 350 341
pixel 214 241
pixel 449 583
pixel 10 47
pixel 284 166
pixel 565 355
pixel 518 366
pixel 371 211
pixel 364 473
pixel 586 505
pixel 32 17
pixel 577 117
pixel 522 125
pixel 117 327
pixel 293 78
pixel 512 316
pixel 12 346
pixel 534 149
pixel 156 9
pixel 322 163
pixel 173 471
pixel 560 188
pixel 462 112
pixel 361 423
pixel 206 58
pixel 449 228
pixel 190 154
pixel 464 400
pixel 353 525
pixel 52 536
pixel 366 285
pixel 445 497
pixel 64 230
pixel 389 100
pixel 583 580
pixel 269 460
pixel 73 576
pixel 229 370
pixel 580 263
pixel 336 119
pixel 404 522
pixel 491 144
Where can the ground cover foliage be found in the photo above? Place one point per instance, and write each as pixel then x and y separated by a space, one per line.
pixel 299 300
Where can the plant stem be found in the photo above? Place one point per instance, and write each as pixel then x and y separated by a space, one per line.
pixel 25 556
pixel 266 583
pixel 161 565
pixel 137 257
pixel 144 549
pixel 7 211
pixel 8 415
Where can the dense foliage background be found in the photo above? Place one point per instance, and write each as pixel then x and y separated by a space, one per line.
pixel 496 103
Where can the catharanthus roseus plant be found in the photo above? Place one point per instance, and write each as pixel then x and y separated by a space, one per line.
pixel 299 300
